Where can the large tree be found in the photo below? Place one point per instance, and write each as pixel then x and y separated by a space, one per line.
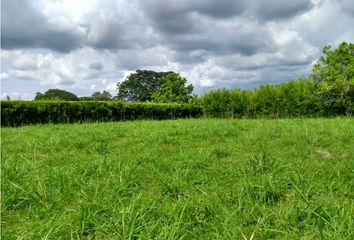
pixel 173 89
pixel 139 86
pixel 56 95
pixel 333 75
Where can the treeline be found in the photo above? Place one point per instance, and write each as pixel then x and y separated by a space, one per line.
pixel 329 91
pixel 297 98
pixel 63 95
pixel 291 99
pixel 18 113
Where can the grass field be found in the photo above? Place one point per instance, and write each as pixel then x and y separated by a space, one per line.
pixel 179 179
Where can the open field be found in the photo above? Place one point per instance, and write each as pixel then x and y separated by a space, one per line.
pixel 179 179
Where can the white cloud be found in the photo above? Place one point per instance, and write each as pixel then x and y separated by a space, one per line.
pixel 14 95
pixel 4 75
pixel 87 45
pixel 71 71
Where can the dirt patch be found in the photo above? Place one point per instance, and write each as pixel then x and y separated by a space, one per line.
pixel 323 153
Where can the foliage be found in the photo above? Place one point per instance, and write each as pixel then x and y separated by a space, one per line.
pixel 56 95
pixel 104 96
pixel 139 86
pixel 172 89
pixel 328 92
pixel 333 75
pixel 290 99
pixel 193 99
pixel 181 179
pixel 85 98
pixel 17 113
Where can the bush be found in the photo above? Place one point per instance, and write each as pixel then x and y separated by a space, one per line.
pixel 56 95
pixel 290 99
pixel 17 113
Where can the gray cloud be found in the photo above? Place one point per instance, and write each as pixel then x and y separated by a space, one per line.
pixel 24 26
pixel 183 25
pixel 159 10
pixel 280 9
pixel 244 37
pixel 184 16
pixel 214 43
pixel 134 59
pixel 96 66
pixel 118 25
pixel 347 6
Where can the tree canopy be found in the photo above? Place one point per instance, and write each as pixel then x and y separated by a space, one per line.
pixel 139 86
pixel 333 76
pixel 56 95
pixel 104 96
pixel 173 89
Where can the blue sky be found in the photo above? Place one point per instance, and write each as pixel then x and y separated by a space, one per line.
pixel 90 45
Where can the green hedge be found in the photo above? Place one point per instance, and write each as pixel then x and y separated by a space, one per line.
pixel 290 99
pixel 17 113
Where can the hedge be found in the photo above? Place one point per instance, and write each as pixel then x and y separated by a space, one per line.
pixel 290 99
pixel 17 113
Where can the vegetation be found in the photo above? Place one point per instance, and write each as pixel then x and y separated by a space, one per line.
pixel 98 96
pixel 139 86
pixel 328 92
pixel 333 75
pixel 85 98
pixel 17 113
pixel 184 179
pixel 104 96
pixel 56 95
pixel 180 179
pixel 144 85
pixel 173 89
pixel 290 99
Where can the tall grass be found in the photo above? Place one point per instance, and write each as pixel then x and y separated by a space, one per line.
pixel 179 179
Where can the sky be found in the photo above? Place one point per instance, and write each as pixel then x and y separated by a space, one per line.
pixel 84 46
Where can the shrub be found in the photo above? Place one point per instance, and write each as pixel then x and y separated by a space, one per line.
pixel 56 95
pixel 290 99
pixel 17 113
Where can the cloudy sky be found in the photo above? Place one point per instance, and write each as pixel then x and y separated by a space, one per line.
pixel 89 45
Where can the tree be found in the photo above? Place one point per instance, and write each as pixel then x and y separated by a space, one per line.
pixel 56 95
pixel 104 96
pixel 193 99
pixel 85 98
pixel 333 76
pixel 140 86
pixel 173 89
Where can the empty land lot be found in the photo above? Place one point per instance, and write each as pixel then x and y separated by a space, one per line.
pixel 179 179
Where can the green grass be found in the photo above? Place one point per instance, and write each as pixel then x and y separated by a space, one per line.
pixel 179 179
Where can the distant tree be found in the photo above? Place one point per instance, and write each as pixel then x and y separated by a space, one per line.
pixel 333 76
pixel 173 89
pixel 104 96
pixel 7 98
pixel 38 96
pixel 85 98
pixel 139 86
pixel 56 95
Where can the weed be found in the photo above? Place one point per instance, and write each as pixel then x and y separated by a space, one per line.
pixel 179 179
